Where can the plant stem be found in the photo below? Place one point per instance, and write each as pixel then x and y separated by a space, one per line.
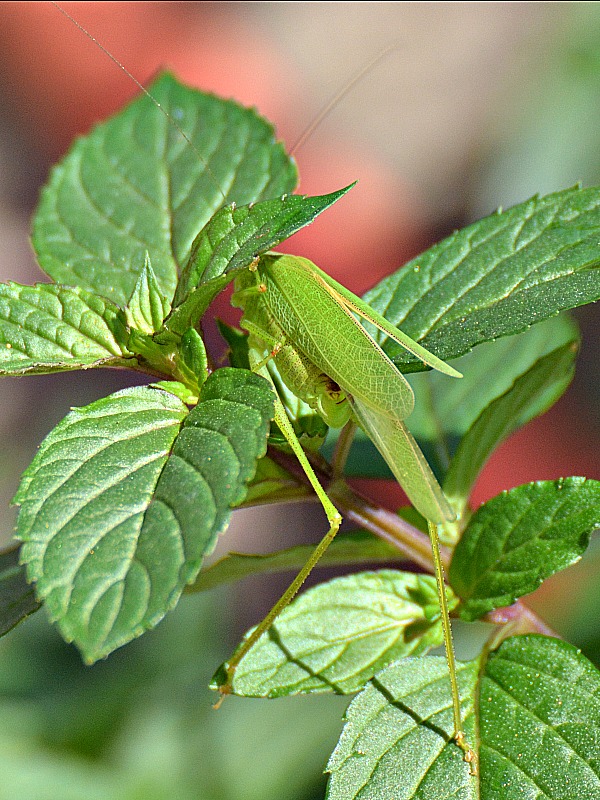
pixel 342 449
pixel 410 541
pixel 357 508
pixel 519 618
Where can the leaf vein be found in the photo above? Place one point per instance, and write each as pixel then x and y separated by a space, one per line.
pixel 548 726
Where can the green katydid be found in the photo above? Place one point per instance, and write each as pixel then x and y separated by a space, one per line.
pixel 292 305
pixel 307 322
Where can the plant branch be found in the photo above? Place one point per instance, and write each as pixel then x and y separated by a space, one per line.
pixel 342 449
pixel 517 619
pixel 410 541
pixel 413 543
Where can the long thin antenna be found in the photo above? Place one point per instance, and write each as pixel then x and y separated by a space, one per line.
pixel 339 95
pixel 306 133
pixel 142 88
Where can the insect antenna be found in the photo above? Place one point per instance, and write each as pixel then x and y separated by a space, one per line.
pixel 339 96
pixel 308 131
pixel 148 94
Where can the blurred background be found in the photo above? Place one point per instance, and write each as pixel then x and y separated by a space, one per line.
pixel 478 105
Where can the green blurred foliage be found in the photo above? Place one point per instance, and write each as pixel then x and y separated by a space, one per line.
pixel 140 726
pixel 545 135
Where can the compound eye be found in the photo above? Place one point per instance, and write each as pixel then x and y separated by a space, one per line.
pixel 333 403
pixel 331 387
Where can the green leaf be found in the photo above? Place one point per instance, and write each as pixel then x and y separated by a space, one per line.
pixel 531 394
pixel 396 742
pixel 236 236
pixel 214 457
pixel 194 306
pixel 272 483
pixel 48 328
pixel 180 390
pixel 497 276
pixel 147 306
pixel 192 360
pixel 183 358
pixel 83 501
pixel 445 408
pixel 136 186
pixel 232 240
pixel 521 537
pixel 336 636
pixel 356 547
pixel 17 598
pixel 540 722
pixel 538 706
pixel 119 506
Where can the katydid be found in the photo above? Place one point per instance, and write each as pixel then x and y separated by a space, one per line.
pixel 296 306
pixel 308 323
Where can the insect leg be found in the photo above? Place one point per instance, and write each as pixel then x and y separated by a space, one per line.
pixel 333 517
pixel 275 343
pixel 459 735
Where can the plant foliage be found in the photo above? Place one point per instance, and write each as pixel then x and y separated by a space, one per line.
pixel 138 230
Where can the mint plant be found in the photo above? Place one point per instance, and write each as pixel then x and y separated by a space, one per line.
pixel 139 230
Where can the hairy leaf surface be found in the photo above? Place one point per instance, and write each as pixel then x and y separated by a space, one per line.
pixel 531 709
pixel 236 235
pixel 128 494
pixel 540 722
pixel 136 186
pixel 497 276
pixel 519 538
pixel 48 328
pixel 336 636
pixel 396 740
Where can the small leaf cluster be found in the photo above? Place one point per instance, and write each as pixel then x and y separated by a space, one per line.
pixel 139 230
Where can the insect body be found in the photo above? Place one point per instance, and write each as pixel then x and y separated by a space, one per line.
pixel 309 322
